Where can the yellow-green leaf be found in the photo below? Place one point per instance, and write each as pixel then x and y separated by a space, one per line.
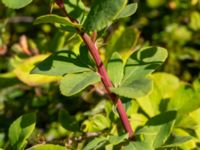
pixel 22 71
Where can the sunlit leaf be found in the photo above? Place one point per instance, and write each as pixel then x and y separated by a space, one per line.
pixel 195 20
pixel 22 71
pixel 158 128
pixel 177 140
pixel 164 86
pixel 16 4
pixel 48 147
pixel 122 40
pixel 143 62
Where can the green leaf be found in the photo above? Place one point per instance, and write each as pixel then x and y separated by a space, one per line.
pixel 158 128
pixel 195 20
pixel 22 71
pixel 138 146
pixel 48 147
pixel 16 4
pixel 123 40
pixel 177 140
pixel 8 79
pixel 59 64
pixel 95 143
pixel 137 88
pixel 85 56
pixel 127 11
pixel 185 100
pixel 73 83
pixel 143 62
pixel 52 18
pixel 102 14
pixel 164 86
pixel 115 69
pixel 155 3
pixel 139 65
pixel 75 8
pixel 95 123
pixel 114 140
pixel 57 41
pixel 20 130
pixel 196 85
pixel 67 121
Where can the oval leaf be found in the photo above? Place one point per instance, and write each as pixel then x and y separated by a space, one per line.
pixel 59 64
pixel 127 11
pixel 20 130
pixel 143 62
pixel 73 83
pixel 137 88
pixel 52 18
pixel 102 13
pixel 16 4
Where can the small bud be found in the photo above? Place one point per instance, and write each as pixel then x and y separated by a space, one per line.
pixel 60 3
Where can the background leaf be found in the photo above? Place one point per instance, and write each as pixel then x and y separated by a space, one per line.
pixel 122 40
pixel 67 121
pixel 48 147
pixel 95 123
pixel 16 4
pixel 20 130
pixel 22 71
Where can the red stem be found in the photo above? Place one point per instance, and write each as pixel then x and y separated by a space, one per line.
pixel 103 73
pixel 107 83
